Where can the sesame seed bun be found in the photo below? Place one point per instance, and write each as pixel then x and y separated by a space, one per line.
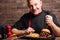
pixel 46 30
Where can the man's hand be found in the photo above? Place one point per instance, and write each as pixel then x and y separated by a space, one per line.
pixel 49 20
pixel 29 29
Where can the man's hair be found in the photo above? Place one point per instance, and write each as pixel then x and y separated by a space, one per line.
pixel 29 0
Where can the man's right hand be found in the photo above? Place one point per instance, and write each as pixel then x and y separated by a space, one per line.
pixel 29 30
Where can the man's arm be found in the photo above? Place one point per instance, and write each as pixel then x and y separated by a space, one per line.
pixel 54 27
pixel 21 32
pixel 18 32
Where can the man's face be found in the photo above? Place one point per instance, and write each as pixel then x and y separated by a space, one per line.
pixel 35 6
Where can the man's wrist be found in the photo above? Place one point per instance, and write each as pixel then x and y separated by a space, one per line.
pixel 52 25
pixel 25 31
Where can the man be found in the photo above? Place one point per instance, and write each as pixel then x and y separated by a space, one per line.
pixel 36 20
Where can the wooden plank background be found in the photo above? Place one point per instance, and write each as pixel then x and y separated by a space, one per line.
pixel 12 10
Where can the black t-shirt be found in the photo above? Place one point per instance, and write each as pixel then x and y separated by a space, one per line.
pixel 37 22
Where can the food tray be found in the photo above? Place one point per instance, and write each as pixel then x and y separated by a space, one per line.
pixel 39 38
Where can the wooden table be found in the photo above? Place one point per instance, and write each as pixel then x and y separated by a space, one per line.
pixel 15 38
pixel 57 38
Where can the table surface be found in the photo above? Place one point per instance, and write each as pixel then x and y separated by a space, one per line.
pixel 57 38
pixel 15 38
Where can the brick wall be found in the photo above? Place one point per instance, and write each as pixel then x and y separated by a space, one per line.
pixel 12 10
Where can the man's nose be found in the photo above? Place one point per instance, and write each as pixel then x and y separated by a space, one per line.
pixel 34 7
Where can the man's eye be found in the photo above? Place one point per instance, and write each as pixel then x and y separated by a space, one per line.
pixel 35 4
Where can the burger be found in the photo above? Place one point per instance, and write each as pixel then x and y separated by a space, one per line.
pixel 46 30
pixel 45 33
